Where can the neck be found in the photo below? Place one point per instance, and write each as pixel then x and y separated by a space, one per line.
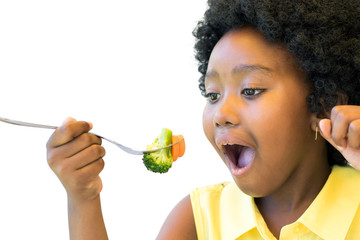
pixel 289 202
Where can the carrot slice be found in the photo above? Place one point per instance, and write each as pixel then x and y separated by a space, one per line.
pixel 174 148
pixel 182 146
pixel 177 150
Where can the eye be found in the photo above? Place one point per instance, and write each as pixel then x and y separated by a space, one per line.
pixel 212 97
pixel 251 92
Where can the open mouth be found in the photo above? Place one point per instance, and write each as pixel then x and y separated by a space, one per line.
pixel 240 156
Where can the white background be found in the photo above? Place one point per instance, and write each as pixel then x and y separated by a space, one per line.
pixel 126 66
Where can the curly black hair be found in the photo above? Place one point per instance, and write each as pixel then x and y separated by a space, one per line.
pixel 323 35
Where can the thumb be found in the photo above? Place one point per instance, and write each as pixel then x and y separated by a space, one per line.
pixel 69 130
pixel 68 120
pixel 71 120
pixel 325 131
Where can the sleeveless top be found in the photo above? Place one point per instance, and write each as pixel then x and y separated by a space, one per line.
pixel 223 212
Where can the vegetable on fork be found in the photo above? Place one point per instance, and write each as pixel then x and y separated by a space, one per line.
pixel 161 161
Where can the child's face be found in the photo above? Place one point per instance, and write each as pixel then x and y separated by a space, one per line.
pixel 257 99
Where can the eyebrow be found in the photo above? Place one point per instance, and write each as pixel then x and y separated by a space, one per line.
pixel 241 68
pixel 250 68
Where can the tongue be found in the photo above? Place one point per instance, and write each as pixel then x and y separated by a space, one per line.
pixel 245 158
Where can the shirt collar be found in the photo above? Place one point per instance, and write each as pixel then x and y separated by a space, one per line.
pixel 331 213
pixel 329 216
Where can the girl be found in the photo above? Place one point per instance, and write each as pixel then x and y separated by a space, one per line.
pixel 282 81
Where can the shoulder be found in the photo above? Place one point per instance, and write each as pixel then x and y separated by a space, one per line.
pixel 345 174
pixel 208 195
pixel 342 183
pixel 197 212
pixel 179 225
pixel 214 188
pixel 214 193
pixel 219 207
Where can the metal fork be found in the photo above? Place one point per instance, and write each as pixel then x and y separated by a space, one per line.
pixel 122 147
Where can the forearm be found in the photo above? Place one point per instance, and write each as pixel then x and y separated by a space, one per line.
pixel 86 220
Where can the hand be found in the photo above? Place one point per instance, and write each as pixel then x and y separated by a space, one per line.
pixel 76 157
pixel 342 130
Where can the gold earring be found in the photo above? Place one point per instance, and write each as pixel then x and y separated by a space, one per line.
pixel 316 132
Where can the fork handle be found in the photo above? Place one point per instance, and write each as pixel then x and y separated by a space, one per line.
pixel 26 124
pixel 36 125
pixel 124 148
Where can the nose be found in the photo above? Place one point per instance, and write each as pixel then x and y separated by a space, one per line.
pixel 227 113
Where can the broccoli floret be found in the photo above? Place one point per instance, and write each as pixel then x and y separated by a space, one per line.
pixel 159 161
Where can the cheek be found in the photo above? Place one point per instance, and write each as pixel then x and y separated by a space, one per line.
pixel 283 126
pixel 208 126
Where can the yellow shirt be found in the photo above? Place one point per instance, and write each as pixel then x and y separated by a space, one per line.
pixel 223 212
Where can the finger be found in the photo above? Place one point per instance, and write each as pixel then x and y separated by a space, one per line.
pixel 76 145
pixel 86 156
pixel 325 128
pixel 92 170
pixel 68 120
pixel 71 120
pixel 340 125
pixel 354 134
pixel 67 132
pixel 341 117
pixel 325 131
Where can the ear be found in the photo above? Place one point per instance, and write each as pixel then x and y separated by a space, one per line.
pixel 314 121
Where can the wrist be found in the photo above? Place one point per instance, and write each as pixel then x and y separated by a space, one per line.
pixel 79 202
pixel 85 219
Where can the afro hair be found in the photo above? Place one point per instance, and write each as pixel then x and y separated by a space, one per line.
pixel 323 36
